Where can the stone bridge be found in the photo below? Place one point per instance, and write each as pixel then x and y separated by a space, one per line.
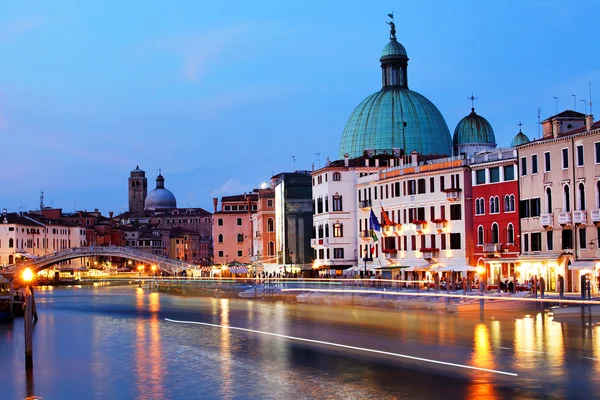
pixel 37 264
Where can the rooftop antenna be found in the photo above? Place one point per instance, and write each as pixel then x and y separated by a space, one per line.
pixel 294 161
pixel 318 160
pixel 584 105
pixel 42 201
pixel 555 104
pixel 75 207
pixel 574 102
pixel 472 98
pixel 539 121
pixel 591 112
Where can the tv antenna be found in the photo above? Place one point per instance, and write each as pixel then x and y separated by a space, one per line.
pixel 574 102
pixel 584 105
pixel 555 104
pixel 539 121
pixel 294 161
pixel 318 160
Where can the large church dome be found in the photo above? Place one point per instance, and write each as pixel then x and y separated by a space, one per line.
pixel 395 117
pixel 160 197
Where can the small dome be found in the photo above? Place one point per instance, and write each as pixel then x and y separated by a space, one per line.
pixel 393 50
pixel 160 197
pixel 474 129
pixel 519 139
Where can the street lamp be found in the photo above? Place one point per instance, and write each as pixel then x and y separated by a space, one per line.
pixel 29 315
pixel 153 270
pixel 140 269
pixel 591 244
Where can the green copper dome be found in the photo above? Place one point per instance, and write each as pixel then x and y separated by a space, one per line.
pixel 519 139
pixel 393 49
pixel 474 129
pixel 395 117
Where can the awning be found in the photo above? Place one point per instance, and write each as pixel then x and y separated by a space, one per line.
pixel 583 265
pixel 238 269
pixel 27 255
pixel 457 268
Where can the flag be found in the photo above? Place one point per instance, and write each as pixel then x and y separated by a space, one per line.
pixel 374 222
pixel 386 219
pixel 372 250
pixel 391 16
pixel 374 235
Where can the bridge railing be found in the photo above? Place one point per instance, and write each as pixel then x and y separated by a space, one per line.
pixel 164 262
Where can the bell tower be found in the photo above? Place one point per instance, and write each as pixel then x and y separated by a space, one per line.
pixel 138 189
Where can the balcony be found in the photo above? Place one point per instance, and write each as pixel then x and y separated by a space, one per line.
pixel 389 253
pixel 429 253
pixel 564 218
pixel 580 217
pixel 364 204
pixel 366 234
pixel 391 230
pixel 492 247
pixel 420 225
pixel 547 220
pixel 596 215
pixel 453 194
pixel 440 225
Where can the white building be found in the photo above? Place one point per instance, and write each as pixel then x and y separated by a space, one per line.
pixel 28 236
pixel 334 240
pixel 429 207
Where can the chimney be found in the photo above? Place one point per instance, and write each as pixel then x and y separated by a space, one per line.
pixel 248 204
pixel 366 162
pixel 377 162
pixel 391 163
pixel 589 120
pixel 555 128
pixel 346 159
pixel 413 157
pixel 215 202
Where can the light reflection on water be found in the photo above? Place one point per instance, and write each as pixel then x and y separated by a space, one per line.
pixel 133 353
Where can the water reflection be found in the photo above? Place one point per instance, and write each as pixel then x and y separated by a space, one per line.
pixel 227 389
pixel 148 362
pixel 482 357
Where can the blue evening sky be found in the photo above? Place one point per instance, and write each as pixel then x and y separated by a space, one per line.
pixel 221 95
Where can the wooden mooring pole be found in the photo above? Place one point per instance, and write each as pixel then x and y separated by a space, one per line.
pixel 28 318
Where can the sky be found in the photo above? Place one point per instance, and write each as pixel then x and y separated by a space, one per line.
pixel 223 95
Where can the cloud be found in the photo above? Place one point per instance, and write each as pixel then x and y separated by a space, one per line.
pixel 200 52
pixel 232 186
pixel 18 27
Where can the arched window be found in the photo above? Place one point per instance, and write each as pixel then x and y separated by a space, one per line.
pixel 220 238
pixel 11 243
pixel 338 230
pixel 492 210
pixel 495 233
pixel 566 198
pixel 337 202
pixel 240 238
pixel 597 194
pixel 510 234
pixel 320 231
pixel 326 230
pixel 506 203
pixel 337 176
pixel 270 227
pixel 512 202
pixel 271 249
pixel 581 196
pixel 480 235
pixel 314 235
pixel 497 203
pixel 132 184
pixel 548 200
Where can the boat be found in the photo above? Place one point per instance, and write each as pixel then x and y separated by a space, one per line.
pixel 576 311
pixel 255 292
pixel 497 304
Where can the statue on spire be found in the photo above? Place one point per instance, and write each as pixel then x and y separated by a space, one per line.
pixel 392 26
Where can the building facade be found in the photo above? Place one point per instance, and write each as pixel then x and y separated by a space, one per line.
pixel 232 228
pixel 560 201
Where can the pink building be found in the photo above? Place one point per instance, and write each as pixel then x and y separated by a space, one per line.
pixel 232 228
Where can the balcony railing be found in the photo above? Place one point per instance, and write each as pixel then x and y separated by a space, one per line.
pixel 547 220
pixel 564 218
pixel 389 230
pixel 580 217
pixel 596 215
pixel 429 253
pixel 420 226
pixel 365 234
pixel 453 194
pixel 364 204
pixel 440 225
pixel 492 247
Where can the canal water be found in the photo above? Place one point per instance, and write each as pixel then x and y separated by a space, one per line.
pixel 125 342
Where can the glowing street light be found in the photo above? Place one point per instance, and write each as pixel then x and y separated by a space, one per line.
pixel 27 275
pixel 153 270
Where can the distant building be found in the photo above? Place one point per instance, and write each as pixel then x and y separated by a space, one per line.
pixel 138 189
pixel 232 228
pixel 263 231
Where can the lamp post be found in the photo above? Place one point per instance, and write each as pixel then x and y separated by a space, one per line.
pixel 292 262
pixel 29 314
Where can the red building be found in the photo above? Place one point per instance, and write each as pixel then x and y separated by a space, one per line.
pixel 496 213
